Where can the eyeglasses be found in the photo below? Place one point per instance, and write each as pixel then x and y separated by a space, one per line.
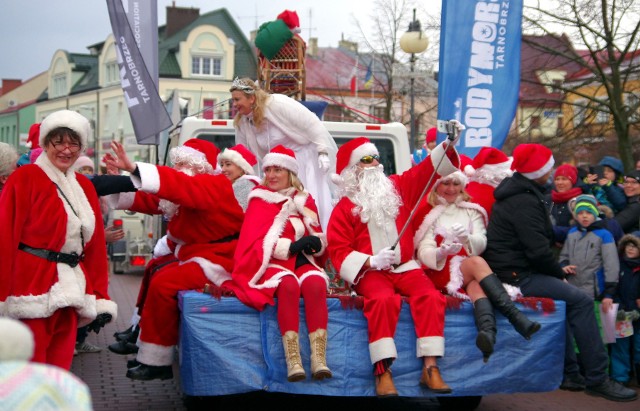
pixel 61 146
pixel 369 159
pixel 630 245
pixel 632 181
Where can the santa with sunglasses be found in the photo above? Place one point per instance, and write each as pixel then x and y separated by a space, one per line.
pixel 364 225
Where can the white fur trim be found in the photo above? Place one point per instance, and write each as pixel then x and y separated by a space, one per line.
pixel 456 278
pixel 315 273
pixel 366 149
pixel 430 347
pixel 352 265
pixel 381 349
pixel 121 201
pixel 280 160
pixel 427 222
pixel 513 291
pixel 69 119
pixel 542 171
pixel 281 251
pixel 214 272
pixel 161 248
pixel 154 354
pixel 409 265
pixel 107 306
pixel 237 159
pixel 149 177
pixel 438 156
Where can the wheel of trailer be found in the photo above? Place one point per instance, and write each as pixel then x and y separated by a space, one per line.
pixel 460 403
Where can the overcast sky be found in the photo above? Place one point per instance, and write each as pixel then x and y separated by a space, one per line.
pixel 32 30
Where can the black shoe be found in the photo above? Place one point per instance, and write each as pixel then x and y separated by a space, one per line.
pixel 123 348
pixel 133 363
pixel 145 372
pixel 572 382
pixel 612 391
pixel 123 335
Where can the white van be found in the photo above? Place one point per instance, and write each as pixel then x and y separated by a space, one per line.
pixel 391 139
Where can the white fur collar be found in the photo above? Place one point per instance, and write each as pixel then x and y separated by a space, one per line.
pixel 85 219
pixel 436 211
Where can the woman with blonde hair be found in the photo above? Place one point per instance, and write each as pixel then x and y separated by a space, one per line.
pixel 264 121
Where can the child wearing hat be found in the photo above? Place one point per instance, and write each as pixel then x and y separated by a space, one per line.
pixel 589 257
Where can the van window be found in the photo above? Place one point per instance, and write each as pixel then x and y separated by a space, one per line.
pixel 221 141
pixel 385 147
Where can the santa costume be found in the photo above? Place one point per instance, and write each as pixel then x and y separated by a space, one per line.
pixel 490 166
pixel 45 212
pixel 202 234
pixel 268 265
pixel 353 242
pixel 436 230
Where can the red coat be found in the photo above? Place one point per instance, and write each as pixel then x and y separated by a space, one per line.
pixel 481 194
pixel 207 223
pixel 273 221
pixel 33 212
pixel 350 240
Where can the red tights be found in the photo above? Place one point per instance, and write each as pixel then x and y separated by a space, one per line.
pixel 314 292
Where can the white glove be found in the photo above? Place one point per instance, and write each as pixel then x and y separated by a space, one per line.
pixel 323 162
pixel 448 249
pixel 383 260
pixel 460 232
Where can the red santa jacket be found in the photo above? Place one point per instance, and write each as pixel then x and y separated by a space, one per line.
pixel 33 212
pixel 273 221
pixel 205 228
pixel 352 242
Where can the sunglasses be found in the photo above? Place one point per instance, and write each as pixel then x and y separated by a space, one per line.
pixel 369 159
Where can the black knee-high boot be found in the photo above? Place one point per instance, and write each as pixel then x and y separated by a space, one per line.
pixel 486 324
pixel 492 287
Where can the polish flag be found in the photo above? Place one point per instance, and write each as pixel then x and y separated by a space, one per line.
pixel 354 80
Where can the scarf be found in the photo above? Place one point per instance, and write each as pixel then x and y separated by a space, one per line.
pixel 565 196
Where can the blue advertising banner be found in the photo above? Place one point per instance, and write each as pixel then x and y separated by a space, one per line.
pixel 479 76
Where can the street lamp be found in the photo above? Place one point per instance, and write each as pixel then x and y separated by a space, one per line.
pixel 413 41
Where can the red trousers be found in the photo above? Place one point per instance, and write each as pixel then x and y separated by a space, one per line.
pixel 161 316
pixel 150 270
pixel 55 337
pixel 383 292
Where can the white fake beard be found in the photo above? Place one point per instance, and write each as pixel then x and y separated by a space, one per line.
pixel 373 193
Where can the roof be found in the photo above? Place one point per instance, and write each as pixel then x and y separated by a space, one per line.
pixel 333 68
pixel 544 53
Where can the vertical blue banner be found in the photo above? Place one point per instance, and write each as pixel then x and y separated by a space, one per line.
pixel 479 80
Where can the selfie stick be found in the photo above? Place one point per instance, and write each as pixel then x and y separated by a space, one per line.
pixel 451 137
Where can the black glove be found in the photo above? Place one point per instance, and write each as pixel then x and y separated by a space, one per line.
pixel 309 244
pixel 100 321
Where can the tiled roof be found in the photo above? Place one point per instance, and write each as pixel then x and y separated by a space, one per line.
pixel 332 69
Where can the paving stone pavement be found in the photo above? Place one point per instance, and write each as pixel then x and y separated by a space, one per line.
pixel 104 372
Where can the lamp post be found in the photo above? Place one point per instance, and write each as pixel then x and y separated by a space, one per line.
pixel 413 41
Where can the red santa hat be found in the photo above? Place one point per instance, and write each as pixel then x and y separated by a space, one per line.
pixel 280 156
pixel 291 19
pixel 199 149
pixel 456 175
pixel 569 171
pixel 488 159
pixel 34 136
pixel 431 135
pixel 69 119
pixel 350 153
pixel 532 160
pixel 240 156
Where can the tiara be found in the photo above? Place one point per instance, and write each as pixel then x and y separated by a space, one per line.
pixel 242 86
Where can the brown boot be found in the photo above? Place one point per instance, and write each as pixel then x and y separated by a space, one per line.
pixel 295 372
pixel 431 379
pixel 319 368
pixel 384 385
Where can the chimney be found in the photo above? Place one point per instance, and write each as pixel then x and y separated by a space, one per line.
pixel 179 18
pixel 348 45
pixel 312 48
pixel 9 85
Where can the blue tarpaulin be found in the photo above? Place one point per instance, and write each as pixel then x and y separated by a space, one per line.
pixel 228 348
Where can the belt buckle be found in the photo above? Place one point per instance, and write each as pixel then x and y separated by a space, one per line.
pixel 73 259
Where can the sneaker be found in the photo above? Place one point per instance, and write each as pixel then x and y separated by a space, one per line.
pixel 612 391
pixel 86 347
pixel 572 382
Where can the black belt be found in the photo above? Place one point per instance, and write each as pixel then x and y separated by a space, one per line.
pixel 70 259
pixel 226 239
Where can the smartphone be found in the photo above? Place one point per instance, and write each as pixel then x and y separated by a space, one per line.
pixel 599 170
pixel 444 126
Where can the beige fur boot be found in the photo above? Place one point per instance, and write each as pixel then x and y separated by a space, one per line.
pixel 319 368
pixel 291 344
